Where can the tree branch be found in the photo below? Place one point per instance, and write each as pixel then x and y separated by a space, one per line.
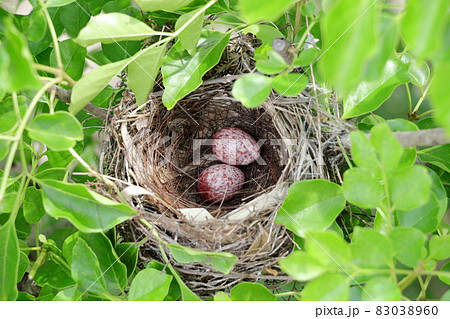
pixel 430 137
pixel 64 96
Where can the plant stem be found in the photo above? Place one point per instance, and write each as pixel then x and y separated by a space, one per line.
pixel 422 97
pixel 305 35
pixel 298 18
pixel 18 135
pixel 54 71
pixel 408 92
pixel 54 39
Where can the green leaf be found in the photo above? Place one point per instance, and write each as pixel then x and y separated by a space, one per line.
pixel 369 95
pixel 74 17
pixel 8 201
pixel 346 26
pixel 363 153
pixel 446 296
pixel 439 191
pixel 221 296
pixel 86 269
pixel 371 249
pixel 37 47
pixel 266 33
pixel 72 56
pixel 388 148
pixel 409 153
pixel 58 3
pixel 87 210
pixel 142 72
pixel 408 244
pixel 182 73
pixel 149 285
pixel 120 50
pixel 328 248
pixel 445 277
pixel 8 116
pixel 423 26
pixel 311 205
pixel 59 131
pixel 46 293
pixel 273 65
pixel 220 261
pixel 4 149
pixel 166 5
pixel 439 247
pixel 21 74
pixel 362 189
pixel 308 9
pixel 38 25
pixel 424 218
pixel 53 275
pixel 24 263
pixel 33 210
pixel 9 260
pixel 92 83
pixel 419 72
pixel 69 294
pixel 328 287
pixel 128 255
pixel 440 96
pixel 381 289
pixel 290 84
pixel 306 57
pixel 191 34
pixel 247 291
pixel 437 155
pixel 409 187
pixel 387 35
pixel 113 27
pixel 113 270
pixel 302 267
pixel 252 89
pixel 259 10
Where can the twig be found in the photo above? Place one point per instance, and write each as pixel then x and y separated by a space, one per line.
pixel 64 96
pixel 430 137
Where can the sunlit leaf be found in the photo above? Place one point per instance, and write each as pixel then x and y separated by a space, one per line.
pixel 149 285
pixel 311 205
pixel 252 89
pixel 9 260
pixel 423 26
pixel 59 131
pixel 362 189
pixel 408 244
pixel 259 10
pixel 371 249
pixel 266 33
pixel 349 38
pixel 167 5
pixel 87 210
pixel 182 73
pixel 290 84
pixel 368 96
pixel 381 289
pixel 328 287
pixel 221 261
pixel 248 291
pixel 191 33
pixel 142 72
pixel 72 56
pixel 113 27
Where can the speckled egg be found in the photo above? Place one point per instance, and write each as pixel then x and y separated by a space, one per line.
pixel 220 182
pixel 233 146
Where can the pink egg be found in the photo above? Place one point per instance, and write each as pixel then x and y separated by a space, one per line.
pixel 233 146
pixel 220 182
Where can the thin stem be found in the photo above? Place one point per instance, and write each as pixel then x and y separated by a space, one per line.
pixel 422 97
pixel 195 16
pixel 54 71
pixel 18 135
pixel 298 17
pixel 425 114
pixel 54 38
pixel 305 34
pixel 408 92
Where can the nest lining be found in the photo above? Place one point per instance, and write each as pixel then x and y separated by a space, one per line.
pixel 153 148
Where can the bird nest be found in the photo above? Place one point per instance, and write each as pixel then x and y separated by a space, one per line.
pixel 157 155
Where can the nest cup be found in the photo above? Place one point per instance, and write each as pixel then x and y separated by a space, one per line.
pixel 163 152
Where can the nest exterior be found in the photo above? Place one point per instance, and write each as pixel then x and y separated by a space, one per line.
pixel 159 151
